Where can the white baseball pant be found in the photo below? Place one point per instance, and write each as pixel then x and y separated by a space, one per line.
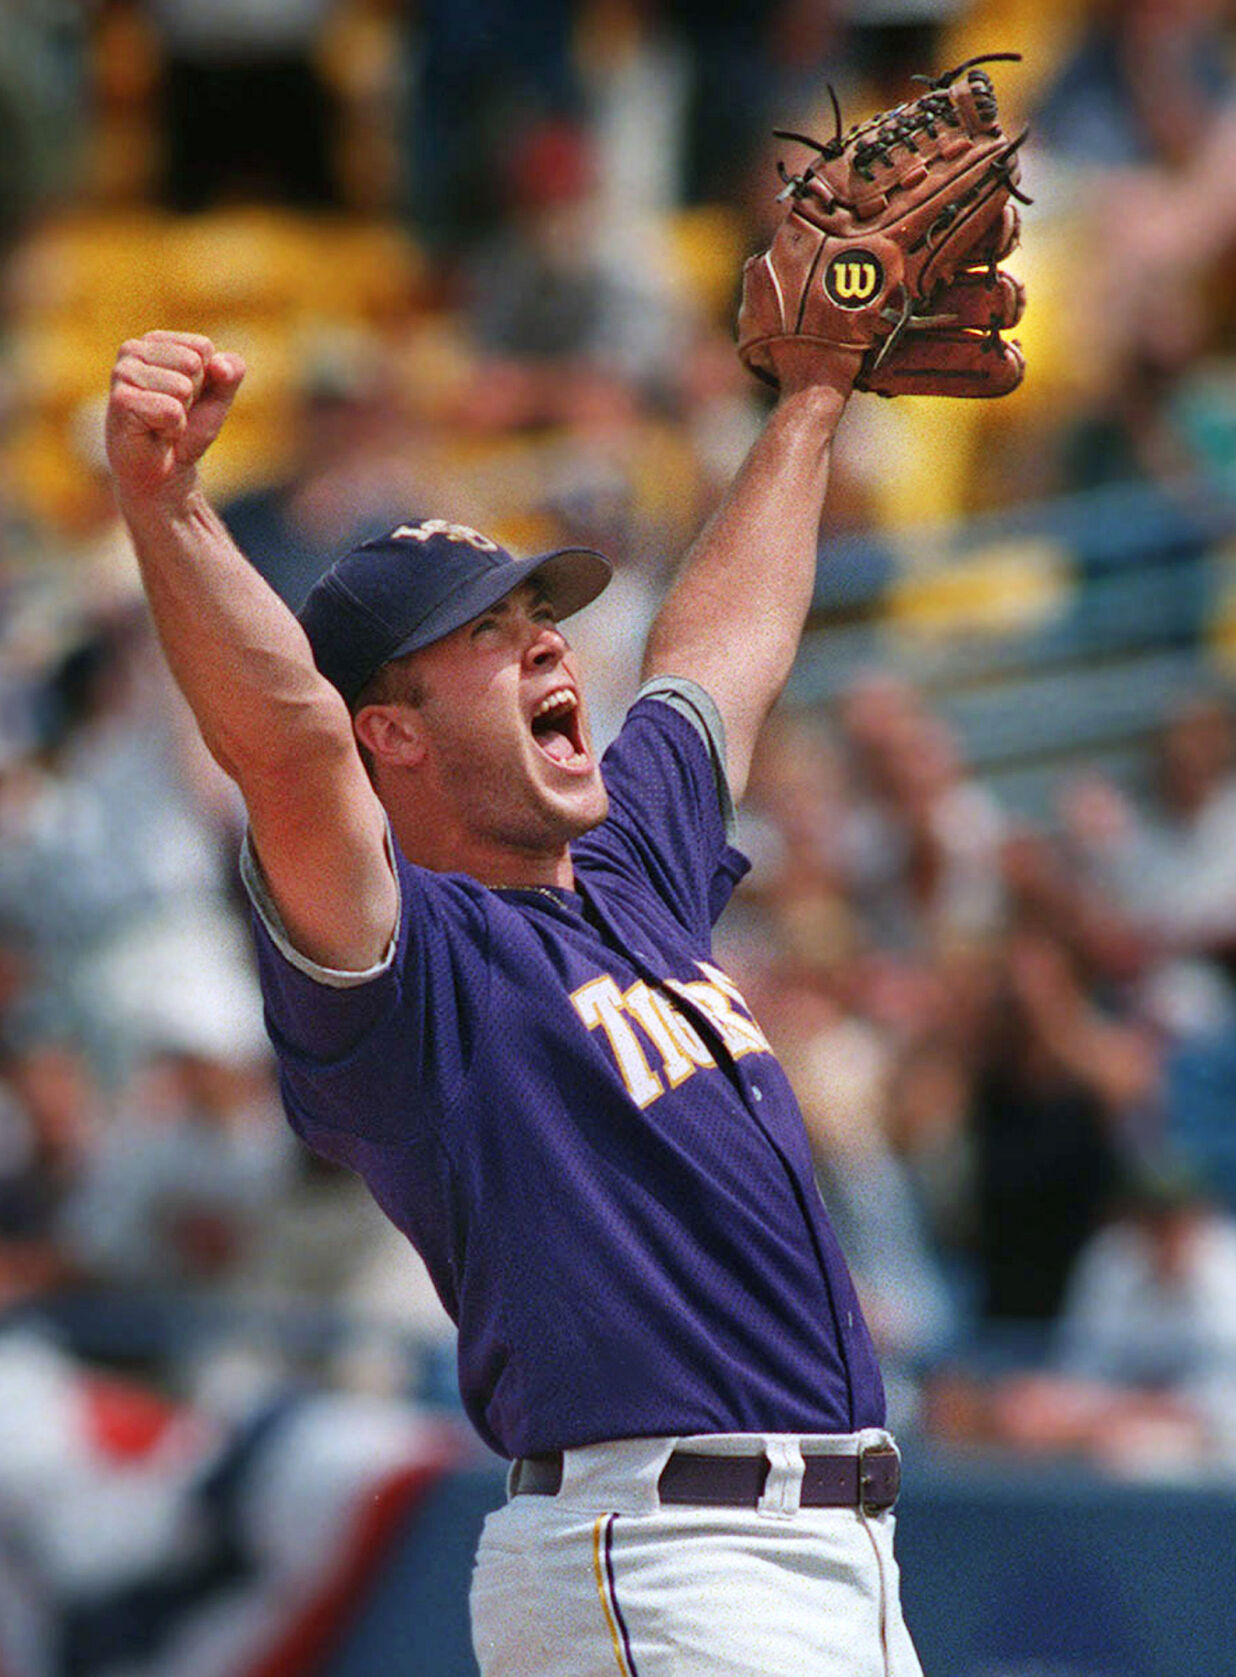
pixel 601 1580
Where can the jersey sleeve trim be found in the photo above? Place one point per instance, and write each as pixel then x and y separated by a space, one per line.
pixel 335 978
pixel 699 708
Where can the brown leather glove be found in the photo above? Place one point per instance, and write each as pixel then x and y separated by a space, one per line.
pixel 887 260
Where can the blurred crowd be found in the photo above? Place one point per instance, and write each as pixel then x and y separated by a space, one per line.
pixel 1013 1032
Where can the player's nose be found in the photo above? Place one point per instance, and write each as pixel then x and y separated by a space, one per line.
pixel 546 645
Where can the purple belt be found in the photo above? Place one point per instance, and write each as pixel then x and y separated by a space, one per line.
pixel 869 1480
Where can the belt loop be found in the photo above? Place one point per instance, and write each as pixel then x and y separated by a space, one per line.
pixel 783 1488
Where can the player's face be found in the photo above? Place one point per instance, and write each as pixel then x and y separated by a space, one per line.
pixel 507 729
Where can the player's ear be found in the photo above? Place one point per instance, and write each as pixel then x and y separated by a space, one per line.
pixel 392 733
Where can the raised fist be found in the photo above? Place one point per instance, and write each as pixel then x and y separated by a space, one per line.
pixel 170 395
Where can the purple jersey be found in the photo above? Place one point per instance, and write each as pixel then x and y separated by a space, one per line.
pixel 572 1114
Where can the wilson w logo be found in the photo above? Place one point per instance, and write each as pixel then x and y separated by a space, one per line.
pixel 854 279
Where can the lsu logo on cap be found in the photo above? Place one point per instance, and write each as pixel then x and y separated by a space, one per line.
pixel 853 278
pixel 428 528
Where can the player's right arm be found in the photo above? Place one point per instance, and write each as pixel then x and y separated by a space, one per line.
pixel 243 662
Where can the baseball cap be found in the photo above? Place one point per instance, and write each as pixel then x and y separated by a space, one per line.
pixel 397 593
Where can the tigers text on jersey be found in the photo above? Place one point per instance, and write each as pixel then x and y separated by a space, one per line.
pixel 570 1111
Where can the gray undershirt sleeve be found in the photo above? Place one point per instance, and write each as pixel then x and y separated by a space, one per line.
pixel 259 895
pixel 689 699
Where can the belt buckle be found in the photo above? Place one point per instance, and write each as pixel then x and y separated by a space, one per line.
pixel 866 1481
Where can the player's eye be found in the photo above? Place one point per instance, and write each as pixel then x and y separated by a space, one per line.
pixel 480 628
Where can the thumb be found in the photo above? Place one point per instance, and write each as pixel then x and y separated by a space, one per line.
pixel 223 377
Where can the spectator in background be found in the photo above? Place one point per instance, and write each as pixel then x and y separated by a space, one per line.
pixel 870 1194
pixel 246 114
pixel 1136 87
pixel 927 1113
pixel 1059 1093
pixel 1168 871
pixel 1143 118
pixel 747 63
pixel 565 319
pixel 1143 1376
pixel 1154 884
pixel 1133 426
pixel 42 98
pixel 185 1179
pixel 480 70
pixel 50 1110
pixel 795 823
pixel 360 463
pixel 925 867
pixel 1171 867
pixel 114 877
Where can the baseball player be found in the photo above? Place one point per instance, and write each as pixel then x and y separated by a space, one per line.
pixel 488 977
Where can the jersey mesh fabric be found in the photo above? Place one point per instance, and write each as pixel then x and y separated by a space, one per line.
pixel 570 1111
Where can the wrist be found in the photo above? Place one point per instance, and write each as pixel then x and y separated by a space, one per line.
pixel 179 500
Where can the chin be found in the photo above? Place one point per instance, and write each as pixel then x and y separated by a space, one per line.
pixel 586 810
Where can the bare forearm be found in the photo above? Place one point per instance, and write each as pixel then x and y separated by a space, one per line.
pixel 734 616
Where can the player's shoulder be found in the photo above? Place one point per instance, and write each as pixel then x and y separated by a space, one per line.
pixel 667 701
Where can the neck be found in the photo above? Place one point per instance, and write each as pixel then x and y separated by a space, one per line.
pixel 494 864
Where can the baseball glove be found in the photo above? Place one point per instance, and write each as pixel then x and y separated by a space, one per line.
pixel 887 262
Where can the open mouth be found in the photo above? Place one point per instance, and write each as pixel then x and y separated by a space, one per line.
pixel 556 728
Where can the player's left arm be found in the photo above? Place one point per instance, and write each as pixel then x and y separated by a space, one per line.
pixel 735 613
